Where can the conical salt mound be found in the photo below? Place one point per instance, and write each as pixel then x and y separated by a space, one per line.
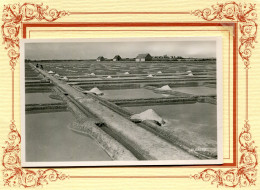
pixel 51 72
pixel 92 74
pixel 149 114
pixel 190 74
pixel 64 78
pixel 56 75
pixel 126 73
pixel 96 91
pixel 165 87
pixel 150 75
pixel 188 71
pixel 159 72
pixel 109 77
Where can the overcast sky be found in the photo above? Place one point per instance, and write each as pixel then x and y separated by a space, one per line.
pixel 91 50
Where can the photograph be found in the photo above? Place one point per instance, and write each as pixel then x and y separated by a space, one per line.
pixel 121 101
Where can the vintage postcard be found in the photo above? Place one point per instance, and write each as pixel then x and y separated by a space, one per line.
pixel 129 95
pixel 121 101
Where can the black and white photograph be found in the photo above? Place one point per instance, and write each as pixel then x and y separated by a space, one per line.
pixel 121 101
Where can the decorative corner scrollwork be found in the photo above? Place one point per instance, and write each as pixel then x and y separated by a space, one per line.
pixel 13 16
pixel 246 16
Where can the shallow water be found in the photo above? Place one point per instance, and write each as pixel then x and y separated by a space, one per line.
pixel 199 118
pixel 199 90
pixel 49 139
pixel 39 98
pixel 137 93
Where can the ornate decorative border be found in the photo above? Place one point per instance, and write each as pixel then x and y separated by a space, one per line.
pixel 246 16
pixel 13 16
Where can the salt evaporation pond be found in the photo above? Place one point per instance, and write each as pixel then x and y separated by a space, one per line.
pixel 199 90
pixel 39 98
pixel 199 118
pixel 137 93
pixel 49 139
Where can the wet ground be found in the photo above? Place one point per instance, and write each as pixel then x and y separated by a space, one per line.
pixel 48 138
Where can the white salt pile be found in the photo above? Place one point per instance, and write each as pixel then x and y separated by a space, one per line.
pixel 51 72
pixel 159 72
pixel 149 114
pixel 188 71
pixel 165 87
pixel 109 77
pixel 92 74
pixel 150 75
pixel 126 73
pixel 96 91
pixel 64 78
pixel 57 75
pixel 190 74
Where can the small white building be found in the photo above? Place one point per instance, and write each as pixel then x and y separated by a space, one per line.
pixel 143 57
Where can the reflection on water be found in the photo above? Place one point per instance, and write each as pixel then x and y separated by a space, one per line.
pixel 49 139
pixel 200 118
pixel 130 94
pixel 39 98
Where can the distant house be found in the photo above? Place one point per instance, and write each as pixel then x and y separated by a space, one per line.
pixel 143 57
pixel 166 57
pixel 117 58
pixel 100 58
pixel 155 58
